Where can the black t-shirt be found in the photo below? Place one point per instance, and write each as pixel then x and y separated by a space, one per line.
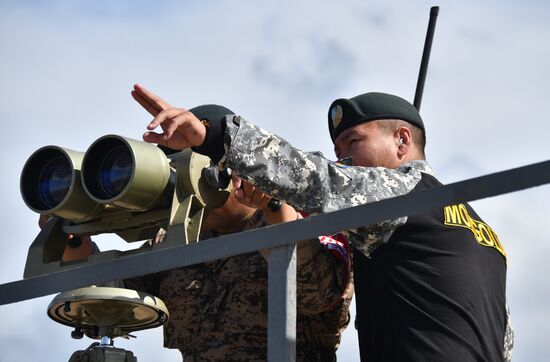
pixel 435 291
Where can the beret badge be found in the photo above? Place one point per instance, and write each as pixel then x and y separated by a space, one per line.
pixel 336 114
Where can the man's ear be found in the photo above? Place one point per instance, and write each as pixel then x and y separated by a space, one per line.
pixel 404 141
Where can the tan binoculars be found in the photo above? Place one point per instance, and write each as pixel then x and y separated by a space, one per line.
pixel 119 185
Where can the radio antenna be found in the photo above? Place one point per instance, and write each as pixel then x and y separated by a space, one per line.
pixel 434 11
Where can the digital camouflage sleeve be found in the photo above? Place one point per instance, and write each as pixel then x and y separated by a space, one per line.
pixel 314 184
pixel 311 183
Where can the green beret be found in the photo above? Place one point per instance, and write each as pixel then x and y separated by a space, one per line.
pixel 345 113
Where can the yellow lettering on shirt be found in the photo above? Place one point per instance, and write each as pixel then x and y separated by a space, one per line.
pixel 457 215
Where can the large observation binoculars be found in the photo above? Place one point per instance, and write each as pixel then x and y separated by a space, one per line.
pixel 119 185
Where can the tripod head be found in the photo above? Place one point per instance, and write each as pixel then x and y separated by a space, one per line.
pixel 106 313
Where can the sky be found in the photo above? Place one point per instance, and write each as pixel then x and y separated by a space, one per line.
pixel 67 68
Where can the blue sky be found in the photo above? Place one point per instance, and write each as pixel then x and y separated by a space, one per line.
pixel 67 69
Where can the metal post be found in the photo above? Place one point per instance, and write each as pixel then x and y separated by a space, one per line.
pixel 281 310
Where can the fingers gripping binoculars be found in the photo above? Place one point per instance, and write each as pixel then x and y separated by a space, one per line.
pixel 119 185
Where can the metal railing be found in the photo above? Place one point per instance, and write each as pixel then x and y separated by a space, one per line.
pixel 282 240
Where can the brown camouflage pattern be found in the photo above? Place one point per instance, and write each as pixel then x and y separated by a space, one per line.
pixel 218 310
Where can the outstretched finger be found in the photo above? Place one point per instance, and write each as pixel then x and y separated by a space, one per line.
pixel 148 106
pixel 164 117
pixel 151 97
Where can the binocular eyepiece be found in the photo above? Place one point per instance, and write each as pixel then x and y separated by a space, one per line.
pixel 115 171
pixel 50 184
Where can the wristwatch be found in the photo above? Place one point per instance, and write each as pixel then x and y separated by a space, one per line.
pixel 274 204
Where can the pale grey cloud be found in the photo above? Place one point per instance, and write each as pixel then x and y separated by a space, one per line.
pixel 66 71
pixel 297 78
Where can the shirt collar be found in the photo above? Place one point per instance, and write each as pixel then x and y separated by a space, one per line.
pixel 418 165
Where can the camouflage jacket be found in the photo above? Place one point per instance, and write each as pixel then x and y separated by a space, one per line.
pixel 218 310
pixel 314 184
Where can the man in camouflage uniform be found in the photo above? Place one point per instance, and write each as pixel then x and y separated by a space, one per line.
pixel 218 310
pixel 429 286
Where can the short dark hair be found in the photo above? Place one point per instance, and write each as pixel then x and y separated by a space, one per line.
pixel 418 136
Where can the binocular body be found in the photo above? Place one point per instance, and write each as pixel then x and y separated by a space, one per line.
pixel 115 173
pixel 119 185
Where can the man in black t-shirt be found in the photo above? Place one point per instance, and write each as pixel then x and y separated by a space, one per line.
pixel 429 287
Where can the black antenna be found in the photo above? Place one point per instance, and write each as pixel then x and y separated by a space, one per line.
pixel 434 11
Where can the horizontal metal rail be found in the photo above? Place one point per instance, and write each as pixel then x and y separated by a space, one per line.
pixel 277 235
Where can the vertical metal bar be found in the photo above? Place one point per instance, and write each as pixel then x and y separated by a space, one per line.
pixel 281 310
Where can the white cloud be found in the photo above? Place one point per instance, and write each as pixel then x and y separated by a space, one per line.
pixel 66 72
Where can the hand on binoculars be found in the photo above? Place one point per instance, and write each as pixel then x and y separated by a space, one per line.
pixel 43 220
pixel 181 129
pixel 84 248
pixel 249 195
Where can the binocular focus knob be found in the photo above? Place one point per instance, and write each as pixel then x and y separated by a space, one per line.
pixel 216 178
pixel 77 333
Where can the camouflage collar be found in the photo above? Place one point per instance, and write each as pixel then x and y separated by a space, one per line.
pixel 417 165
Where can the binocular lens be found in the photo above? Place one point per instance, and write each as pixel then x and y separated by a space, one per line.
pixel 54 181
pixel 126 173
pixel 115 171
pixel 50 184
